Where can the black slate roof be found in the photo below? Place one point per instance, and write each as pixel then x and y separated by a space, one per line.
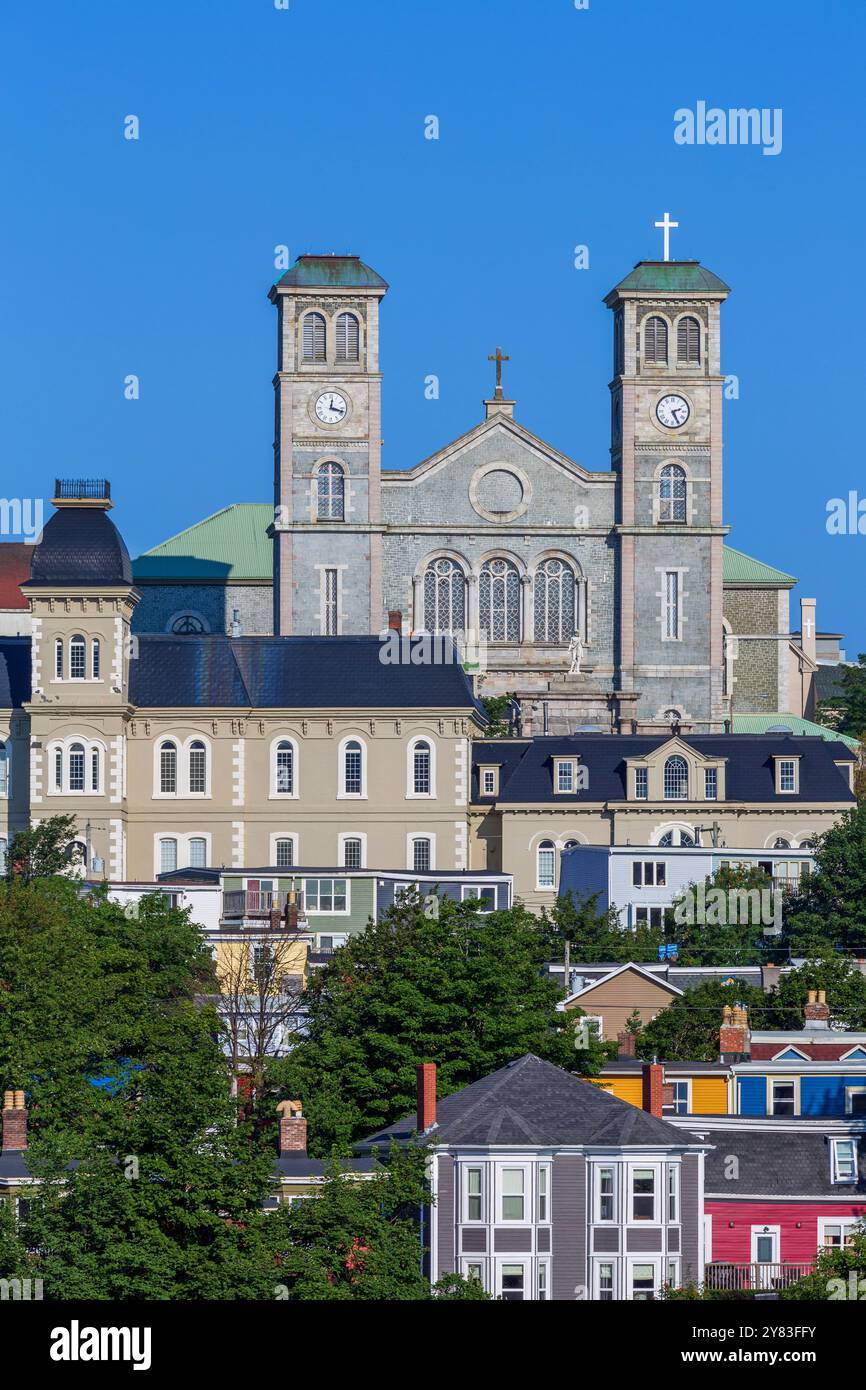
pixel 527 774
pixel 290 672
pixel 15 666
pixel 80 545
pixel 531 1102
pixel 777 1164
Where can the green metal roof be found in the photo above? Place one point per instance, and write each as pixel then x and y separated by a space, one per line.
pixel 672 277
pixel 742 569
pixel 760 723
pixel 326 272
pixel 233 544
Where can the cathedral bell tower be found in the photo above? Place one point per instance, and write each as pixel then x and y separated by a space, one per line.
pixel 327 448
pixel 666 446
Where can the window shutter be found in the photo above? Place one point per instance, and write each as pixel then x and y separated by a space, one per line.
pixel 656 339
pixel 689 341
pixel 347 338
pixel 314 338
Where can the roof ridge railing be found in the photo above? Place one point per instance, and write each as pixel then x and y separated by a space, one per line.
pixel 87 489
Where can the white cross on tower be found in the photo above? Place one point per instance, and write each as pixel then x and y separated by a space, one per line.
pixel 666 226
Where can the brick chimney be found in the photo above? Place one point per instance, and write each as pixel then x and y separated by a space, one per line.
pixel 293 1128
pixel 734 1032
pixel 426 1115
pixel 14 1121
pixel 816 1011
pixel 626 1044
pixel 653 1088
pixel 292 911
pixel 395 620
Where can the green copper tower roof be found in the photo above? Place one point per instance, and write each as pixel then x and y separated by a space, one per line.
pixel 671 277
pixel 332 272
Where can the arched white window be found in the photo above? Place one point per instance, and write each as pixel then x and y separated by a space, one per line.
pixel 781 843
pixel 655 340
pixel 545 876
pixel 58 658
pixel 314 338
pixel 284 768
pixel 75 781
pixel 95 769
pixel 499 601
pixel 421 769
pixel 197 852
pixel 347 338
pixel 676 779
pixel 689 341
pixel 352 852
pixel 353 772
pixel 168 768
pixel 284 852
pixel 422 854
pixel 683 838
pixel 167 855
pixel 672 493
pixel 58 769
pixel 95 659
pixel 331 488
pixel 555 608
pixel 197 765
pixel 806 844
pixel 4 770
pixel 444 596
pixel 77 658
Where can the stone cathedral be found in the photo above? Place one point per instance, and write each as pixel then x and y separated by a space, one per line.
pixel 597 594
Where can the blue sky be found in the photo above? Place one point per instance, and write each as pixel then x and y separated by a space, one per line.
pixel 306 127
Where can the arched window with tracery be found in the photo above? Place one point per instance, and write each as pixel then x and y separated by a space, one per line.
pixel 555 608
pixel 444 596
pixel 676 779
pixel 331 492
pixel 672 493
pixel 499 601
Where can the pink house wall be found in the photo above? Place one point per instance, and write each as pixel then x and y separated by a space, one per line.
pixel 796 1246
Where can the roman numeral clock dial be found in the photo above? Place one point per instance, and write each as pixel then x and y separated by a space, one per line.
pixel 331 408
pixel 672 412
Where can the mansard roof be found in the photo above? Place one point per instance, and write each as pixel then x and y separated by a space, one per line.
pixel 777 1164
pixel 533 1103
pixel 80 547
pixel 330 673
pixel 331 272
pixel 526 775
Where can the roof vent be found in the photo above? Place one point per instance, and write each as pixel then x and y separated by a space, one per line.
pixel 780 729
pixel 589 729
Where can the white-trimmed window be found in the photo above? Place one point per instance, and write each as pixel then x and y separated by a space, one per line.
pixel 58 658
pixel 641 783
pixel 168 767
pixel 512 1193
pixel 421 861
pixel 331 492
pixel 643 1280
pixel 604 1281
pixel 545 861
pixel 314 338
pixel 673 495
pixel 353 768
pixel 652 917
pixel 95 659
pixel 284 763
pixel 542 1194
pixel 77 658
pixel 649 873
pixel 843 1160
pixel 834 1232
pixel 681 1098
pixel 643 1193
pixel 855 1096
pixel 197 768
pixel 783 1097
pixel 489 781
pixel 328 895
pixel 77 767
pixel 167 854
pixel 197 852
pixel 787 776
pixel 512 1281
pixel 484 893
pixel 348 338
pixel 673 1195
pixel 284 851
pixel 676 779
pixel 711 783
pixel 4 769
pixel 605 1193
pixel 564 776
pixel 353 851
pixel 473 1193
pixel 421 768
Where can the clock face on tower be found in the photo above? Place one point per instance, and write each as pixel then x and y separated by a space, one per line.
pixel 331 408
pixel 672 412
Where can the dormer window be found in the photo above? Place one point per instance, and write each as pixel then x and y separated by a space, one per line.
pixel 676 779
pixel 489 781
pixel 564 778
pixel 641 783
pixel 787 776
pixel 843 1160
pixel 711 783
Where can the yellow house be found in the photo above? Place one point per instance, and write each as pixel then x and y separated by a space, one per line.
pixel 689 1088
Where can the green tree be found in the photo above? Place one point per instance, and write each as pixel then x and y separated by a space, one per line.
pixel 42 849
pixel 496 708
pixel 725 921
pixel 597 936
pixel 830 907
pixel 453 987
pixel 850 699
pixel 839 1274
pixel 688 1031
pixel 842 983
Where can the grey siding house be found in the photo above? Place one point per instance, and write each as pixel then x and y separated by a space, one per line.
pixel 545 1187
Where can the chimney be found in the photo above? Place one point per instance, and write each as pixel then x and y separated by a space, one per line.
pixel 395 620
pixel 14 1121
pixel 236 622
pixel 816 1011
pixel 292 912
pixel 770 977
pixel 293 1128
pixel 426 1117
pixel 734 1032
pixel 626 1044
pixel 653 1088
pixel 809 646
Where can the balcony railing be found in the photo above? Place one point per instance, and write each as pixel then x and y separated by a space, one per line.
pixel 259 902
pixel 723 1274
pixel 86 489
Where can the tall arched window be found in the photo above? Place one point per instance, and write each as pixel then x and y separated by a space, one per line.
pixel 554 602
pixel 331 484
pixel 197 852
pixel 94 769
pixel 546 865
pixel 95 658
pixel 353 768
pixel 77 659
pixel 422 776
pixel 285 852
pixel 444 596
pixel 284 770
pixel 347 338
pixel 421 855
pixel 689 342
pixel 76 767
pixel 197 768
pixel 672 493
pixel 314 338
pixel 167 856
pixel 655 340
pixel 352 853
pixel 4 770
pixel 499 601
pixel 168 768
pixel 58 658
pixel 676 780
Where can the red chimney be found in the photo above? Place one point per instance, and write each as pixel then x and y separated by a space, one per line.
pixel 653 1088
pixel 426 1074
pixel 816 1009
pixel 395 620
pixel 14 1121
pixel 734 1032
pixel 293 1128
pixel 626 1044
